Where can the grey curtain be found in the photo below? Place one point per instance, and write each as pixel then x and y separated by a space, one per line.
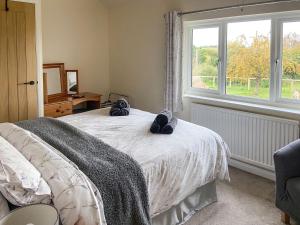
pixel 173 89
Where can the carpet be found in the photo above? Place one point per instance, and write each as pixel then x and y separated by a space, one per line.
pixel 246 200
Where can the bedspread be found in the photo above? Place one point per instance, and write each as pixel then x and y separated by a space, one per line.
pixel 174 165
pixel 118 177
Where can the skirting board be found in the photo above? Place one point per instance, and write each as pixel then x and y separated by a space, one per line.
pixel 252 169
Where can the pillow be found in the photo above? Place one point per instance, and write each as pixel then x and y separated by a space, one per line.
pixel 4 210
pixel 20 182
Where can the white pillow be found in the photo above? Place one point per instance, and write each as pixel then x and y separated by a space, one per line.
pixel 4 210
pixel 20 182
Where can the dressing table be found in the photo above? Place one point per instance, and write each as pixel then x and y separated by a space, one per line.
pixel 61 92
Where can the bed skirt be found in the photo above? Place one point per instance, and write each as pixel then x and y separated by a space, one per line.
pixel 181 213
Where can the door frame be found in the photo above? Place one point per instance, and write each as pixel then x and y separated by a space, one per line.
pixel 39 53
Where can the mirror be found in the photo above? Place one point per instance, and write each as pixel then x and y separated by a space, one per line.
pixel 72 82
pixel 54 82
pixel 54 75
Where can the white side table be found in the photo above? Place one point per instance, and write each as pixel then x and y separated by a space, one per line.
pixel 38 214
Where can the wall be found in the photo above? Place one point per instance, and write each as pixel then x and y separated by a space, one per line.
pixel 137 45
pixel 137 51
pixel 75 32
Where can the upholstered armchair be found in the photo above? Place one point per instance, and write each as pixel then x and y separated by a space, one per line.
pixel 287 168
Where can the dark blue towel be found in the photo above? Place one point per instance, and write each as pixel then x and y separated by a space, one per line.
pixel 119 112
pixel 164 117
pixel 120 108
pixel 155 127
pixel 164 123
pixel 122 103
pixel 170 127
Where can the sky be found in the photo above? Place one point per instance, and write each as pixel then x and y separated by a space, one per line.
pixel 209 36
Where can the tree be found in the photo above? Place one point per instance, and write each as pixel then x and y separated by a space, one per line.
pixel 249 60
pixel 205 61
pixel 291 56
pixel 259 59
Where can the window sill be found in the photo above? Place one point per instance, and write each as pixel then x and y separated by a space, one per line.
pixel 278 111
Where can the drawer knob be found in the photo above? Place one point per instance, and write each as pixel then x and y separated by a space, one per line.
pixel 57 110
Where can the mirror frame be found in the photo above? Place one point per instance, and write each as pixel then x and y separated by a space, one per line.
pixel 61 67
pixel 77 80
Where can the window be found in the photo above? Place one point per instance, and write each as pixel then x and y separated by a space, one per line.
pixel 290 79
pixel 253 58
pixel 205 58
pixel 248 59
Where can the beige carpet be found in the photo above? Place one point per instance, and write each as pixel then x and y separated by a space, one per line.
pixel 246 200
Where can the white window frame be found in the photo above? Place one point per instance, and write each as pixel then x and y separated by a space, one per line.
pixel 277 20
pixel 203 26
pixel 281 21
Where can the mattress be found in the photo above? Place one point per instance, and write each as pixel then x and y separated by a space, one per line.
pixel 174 166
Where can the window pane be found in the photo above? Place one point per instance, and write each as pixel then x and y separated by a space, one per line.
pixel 205 58
pixel 290 85
pixel 248 59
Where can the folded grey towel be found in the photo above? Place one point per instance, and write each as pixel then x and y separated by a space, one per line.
pixel 170 127
pixel 164 117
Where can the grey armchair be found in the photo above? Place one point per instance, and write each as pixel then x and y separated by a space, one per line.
pixel 287 168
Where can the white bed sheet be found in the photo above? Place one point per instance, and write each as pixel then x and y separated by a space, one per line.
pixel 174 165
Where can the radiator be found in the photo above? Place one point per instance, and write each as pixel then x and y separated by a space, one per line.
pixel 252 138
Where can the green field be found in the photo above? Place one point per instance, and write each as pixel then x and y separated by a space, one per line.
pixel 238 89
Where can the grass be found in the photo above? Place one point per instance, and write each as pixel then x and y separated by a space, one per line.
pixel 243 91
pixel 288 90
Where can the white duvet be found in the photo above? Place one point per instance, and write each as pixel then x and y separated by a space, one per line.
pixel 174 165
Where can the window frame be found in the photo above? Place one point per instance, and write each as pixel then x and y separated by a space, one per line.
pixel 281 21
pixel 203 26
pixel 277 20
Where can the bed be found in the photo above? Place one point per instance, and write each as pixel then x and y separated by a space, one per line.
pixel 180 170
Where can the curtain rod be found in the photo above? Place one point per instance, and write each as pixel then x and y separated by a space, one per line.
pixel 237 6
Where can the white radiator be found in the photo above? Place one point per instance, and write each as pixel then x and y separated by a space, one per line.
pixel 252 138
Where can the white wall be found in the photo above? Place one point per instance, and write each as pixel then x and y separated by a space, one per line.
pixel 75 32
pixel 137 51
pixel 137 45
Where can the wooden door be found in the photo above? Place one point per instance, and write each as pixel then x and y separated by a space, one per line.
pixel 18 67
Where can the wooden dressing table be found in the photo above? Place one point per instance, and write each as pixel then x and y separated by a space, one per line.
pixel 61 92
pixel 67 105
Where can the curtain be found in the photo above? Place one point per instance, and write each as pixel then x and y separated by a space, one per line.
pixel 173 88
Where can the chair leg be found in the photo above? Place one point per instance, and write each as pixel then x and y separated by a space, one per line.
pixel 285 218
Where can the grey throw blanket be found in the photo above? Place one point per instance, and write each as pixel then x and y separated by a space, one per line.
pixel 118 177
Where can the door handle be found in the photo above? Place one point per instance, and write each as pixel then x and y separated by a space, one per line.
pixel 28 83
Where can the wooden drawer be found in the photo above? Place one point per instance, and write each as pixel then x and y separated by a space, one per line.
pixel 58 109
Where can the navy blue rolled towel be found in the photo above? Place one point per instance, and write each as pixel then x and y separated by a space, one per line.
pixel 120 108
pixel 170 127
pixel 122 103
pixel 164 117
pixel 125 111
pixel 155 127
pixel 115 111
